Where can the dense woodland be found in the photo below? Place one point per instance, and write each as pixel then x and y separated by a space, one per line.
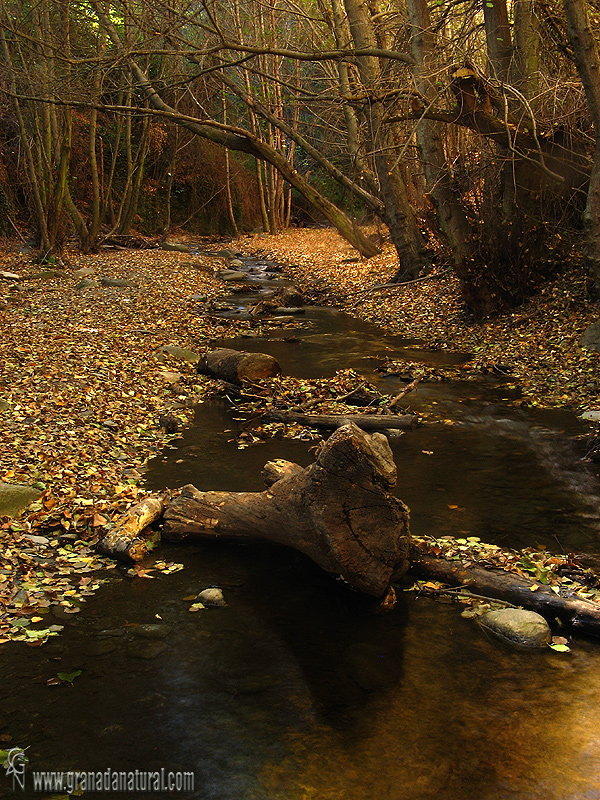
pixel 470 129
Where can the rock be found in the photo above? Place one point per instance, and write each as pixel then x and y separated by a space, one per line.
pixel 87 283
pixel 153 630
pixel 231 275
pixel 14 498
pixel 121 282
pixel 169 423
pixel 83 272
pixel 517 626
pixel 101 647
pixel 290 296
pixel 199 298
pixel 9 276
pixel 236 263
pixel 175 247
pixel 591 337
pixel 290 310
pixel 170 377
pixel 36 539
pixel 145 649
pixel 592 416
pixel 47 275
pixel 181 353
pixel 212 597
pixel 224 253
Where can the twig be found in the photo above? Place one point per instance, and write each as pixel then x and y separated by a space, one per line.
pixel 406 390
pixel 381 286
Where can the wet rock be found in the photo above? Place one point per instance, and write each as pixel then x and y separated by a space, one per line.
pixel 111 632
pixel 231 275
pixel 290 310
pixel 87 283
pixel 181 352
pixel 591 337
pixel 100 647
pixel 119 282
pixel 290 296
pixel 236 263
pixel 47 275
pixel 152 630
pixel 199 298
pixel 169 423
pixel 15 497
pixel 517 626
pixel 146 649
pixel 224 253
pixel 175 247
pixel 212 597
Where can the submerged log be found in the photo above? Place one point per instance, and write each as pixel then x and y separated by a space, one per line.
pixel 124 540
pixel 576 612
pixel 337 511
pixel 235 366
pixel 372 422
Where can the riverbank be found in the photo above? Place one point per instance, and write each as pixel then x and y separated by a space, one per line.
pixel 536 345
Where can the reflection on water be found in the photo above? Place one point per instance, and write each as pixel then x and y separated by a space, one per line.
pixel 297 690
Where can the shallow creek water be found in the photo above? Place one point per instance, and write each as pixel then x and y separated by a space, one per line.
pixel 296 690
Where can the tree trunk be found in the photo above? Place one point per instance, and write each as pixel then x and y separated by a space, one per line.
pixel 337 511
pixel 587 59
pixel 448 206
pixel 498 38
pixel 235 366
pixel 372 422
pixel 571 610
pixel 124 541
pixel 398 213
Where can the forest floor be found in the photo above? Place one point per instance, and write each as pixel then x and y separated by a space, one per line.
pixel 84 381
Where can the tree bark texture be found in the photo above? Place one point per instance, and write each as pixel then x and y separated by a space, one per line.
pixel 587 58
pixel 371 422
pixel 236 366
pixel 337 511
pixel 124 541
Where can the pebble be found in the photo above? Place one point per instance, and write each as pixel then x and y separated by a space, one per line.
pixel 212 597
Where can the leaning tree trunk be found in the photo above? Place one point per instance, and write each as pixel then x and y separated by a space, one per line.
pixel 337 511
pixel 587 58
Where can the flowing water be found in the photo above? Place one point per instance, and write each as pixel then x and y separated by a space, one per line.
pixel 297 690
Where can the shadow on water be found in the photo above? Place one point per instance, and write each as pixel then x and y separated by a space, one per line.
pixel 297 690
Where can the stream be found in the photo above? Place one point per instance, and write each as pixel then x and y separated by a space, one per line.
pixel 297 690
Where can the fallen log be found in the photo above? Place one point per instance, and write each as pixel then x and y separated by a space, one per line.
pixel 337 511
pixel 372 422
pixel 571 610
pixel 124 541
pixel 235 366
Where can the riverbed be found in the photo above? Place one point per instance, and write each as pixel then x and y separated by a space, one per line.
pixel 297 689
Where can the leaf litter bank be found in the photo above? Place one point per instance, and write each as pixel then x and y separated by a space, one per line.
pixel 84 386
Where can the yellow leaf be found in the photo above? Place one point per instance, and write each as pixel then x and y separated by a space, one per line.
pixel 534 588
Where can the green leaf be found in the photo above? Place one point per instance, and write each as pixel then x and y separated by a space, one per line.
pixel 560 648
pixel 69 677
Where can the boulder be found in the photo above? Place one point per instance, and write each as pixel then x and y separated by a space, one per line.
pixel 591 337
pixel 517 626
pixel 231 275
pixel 87 283
pixel 175 247
pixel 290 296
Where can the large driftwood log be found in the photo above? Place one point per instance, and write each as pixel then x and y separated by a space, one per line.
pixel 235 366
pixel 368 422
pixel 571 610
pixel 337 511
pixel 124 541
